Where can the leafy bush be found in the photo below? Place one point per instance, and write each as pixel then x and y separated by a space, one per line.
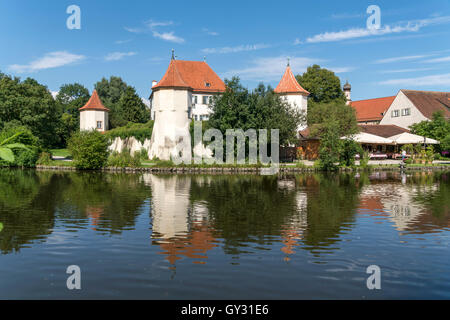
pixel 350 149
pixel 124 159
pixel 20 145
pixel 364 161
pixel 144 154
pixel 141 131
pixel 89 149
pixel 45 158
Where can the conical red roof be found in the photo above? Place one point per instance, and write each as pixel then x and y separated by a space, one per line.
pixel 289 84
pixel 172 78
pixel 94 103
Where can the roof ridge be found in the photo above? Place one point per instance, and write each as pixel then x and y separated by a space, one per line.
pixel 375 98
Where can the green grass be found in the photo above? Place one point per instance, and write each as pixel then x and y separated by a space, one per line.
pixel 60 153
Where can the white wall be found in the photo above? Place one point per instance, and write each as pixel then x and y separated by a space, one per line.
pixel 400 102
pixel 171 123
pixel 201 109
pixel 89 118
pixel 300 102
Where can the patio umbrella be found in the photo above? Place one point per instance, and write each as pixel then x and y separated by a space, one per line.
pixel 364 137
pixel 409 138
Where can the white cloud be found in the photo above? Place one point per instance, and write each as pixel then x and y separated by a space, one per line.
pixel 270 69
pixel 248 47
pixel 341 69
pixel 443 59
pixel 122 41
pixel 48 61
pixel 168 36
pixel 114 56
pixel 151 26
pixel 410 26
pixel 406 70
pixel 359 33
pixel 404 58
pixel 209 32
pixel 54 94
pixel 426 81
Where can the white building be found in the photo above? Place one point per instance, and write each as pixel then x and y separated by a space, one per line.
pixel 171 104
pixel 94 115
pixel 203 83
pixel 293 93
pixel 411 106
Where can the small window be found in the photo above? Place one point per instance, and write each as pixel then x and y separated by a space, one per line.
pixel 195 117
pixel 194 99
pixel 205 99
pixel 207 84
pixel 395 113
pixel 406 112
pixel 99 124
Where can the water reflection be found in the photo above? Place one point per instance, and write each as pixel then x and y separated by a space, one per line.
pixel 193 216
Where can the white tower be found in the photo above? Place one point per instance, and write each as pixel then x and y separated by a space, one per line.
pixel 293 93
pixel 347 92
pixel 94 115
pixel 171 100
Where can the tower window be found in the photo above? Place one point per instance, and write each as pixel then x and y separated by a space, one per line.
pixel 205 99
pixel 99 124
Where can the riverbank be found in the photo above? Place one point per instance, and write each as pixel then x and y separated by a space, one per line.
pixel 250 170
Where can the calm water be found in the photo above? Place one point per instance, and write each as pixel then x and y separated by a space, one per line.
pixel 219 237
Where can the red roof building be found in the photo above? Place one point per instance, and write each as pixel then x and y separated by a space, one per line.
pixel 195 75
pixel 371 111
pixel 289 85
pixel 94 103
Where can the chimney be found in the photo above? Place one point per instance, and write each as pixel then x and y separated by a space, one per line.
pixel 154 83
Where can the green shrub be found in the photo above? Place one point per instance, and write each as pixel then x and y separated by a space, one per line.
pixel 144 154
pixel 140 131
pixel 45 159
pixel 350 149
pixel 124 159
pixel 25 146
pixel 364 160
pixel 89 149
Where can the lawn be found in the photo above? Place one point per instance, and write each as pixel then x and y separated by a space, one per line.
pixel 60 153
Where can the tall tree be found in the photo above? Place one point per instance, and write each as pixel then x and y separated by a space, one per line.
pixel 70 98
pixel 237 108
pixel 132 108
pixel 438 128
pixel 30 104
pixel 322 84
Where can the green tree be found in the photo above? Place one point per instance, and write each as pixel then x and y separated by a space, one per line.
pixel 343 114
pixel 89 149
pixel 238 108
pixel 30 104
pixel 110 91
pixel 70 98
pixel 438 128
pixel 131 107
pixel 322 84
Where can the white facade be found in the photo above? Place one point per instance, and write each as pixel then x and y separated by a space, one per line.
pixel 170 136
pixel 200 106
pixel 298 101
pixel 402 112
pixel 93 119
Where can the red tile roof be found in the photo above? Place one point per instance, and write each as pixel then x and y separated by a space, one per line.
pixel 382 130
pixel 429 102
pixel 195 75
pixel 94 103
pixel 372 109
pixel 289 84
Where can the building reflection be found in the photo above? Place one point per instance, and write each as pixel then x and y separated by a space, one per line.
pixel 397 198
pixel 180 227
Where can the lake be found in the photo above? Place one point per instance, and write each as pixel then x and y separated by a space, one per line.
pixel 146 236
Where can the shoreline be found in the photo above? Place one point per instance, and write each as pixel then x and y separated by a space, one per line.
pixel 238 170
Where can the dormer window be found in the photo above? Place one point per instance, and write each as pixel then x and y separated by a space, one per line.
pixel 207 84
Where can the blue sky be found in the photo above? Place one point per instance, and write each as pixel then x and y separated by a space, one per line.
pixel 251 39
